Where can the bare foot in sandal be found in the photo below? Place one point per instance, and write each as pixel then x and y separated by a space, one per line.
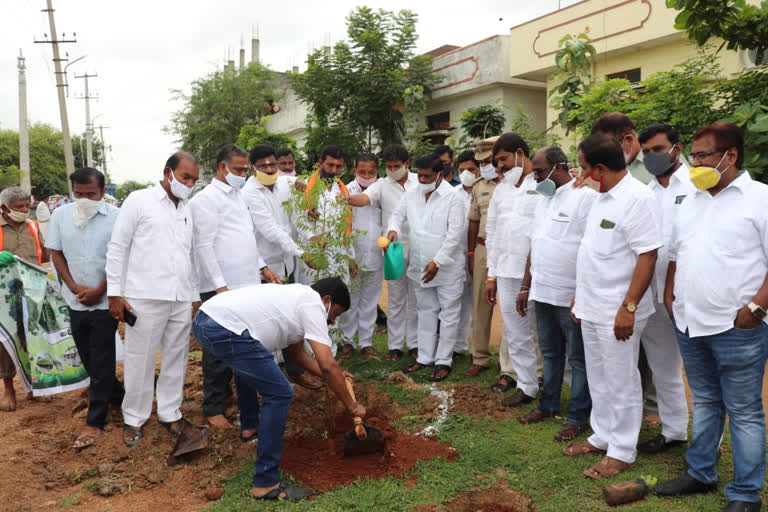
pixel 570 432
pixel 87 437
pixel 582 448
pixel 282 490
pixel 607 467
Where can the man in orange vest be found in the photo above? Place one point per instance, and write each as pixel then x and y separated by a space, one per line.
pixel 22 237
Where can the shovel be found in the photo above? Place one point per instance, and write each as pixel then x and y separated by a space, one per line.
pixel 362 440
pixel 191 439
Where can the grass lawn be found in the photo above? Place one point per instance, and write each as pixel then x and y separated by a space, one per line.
pixel 490 450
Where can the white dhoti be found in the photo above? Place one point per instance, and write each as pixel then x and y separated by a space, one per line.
pixel 663 354
pixel 438 303
pixel 361 316
pixel 519 336
pixel 466 319
pixel 614 384
pixel 159 324
pixel 402 313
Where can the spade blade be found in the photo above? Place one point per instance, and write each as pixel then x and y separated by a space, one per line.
pixel 354 446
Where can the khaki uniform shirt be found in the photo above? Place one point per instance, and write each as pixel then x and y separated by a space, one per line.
pixel 22 242
pixel 481 198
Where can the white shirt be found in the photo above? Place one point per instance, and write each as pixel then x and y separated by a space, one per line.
pixel 464 199
pixel 277 315
pixel 556 234
pixel 150 254
pixel 434 226
pixel 386 194
pixel 225 246
pixel 271 223
pixel 668 201
pixel 621 225
pixel 721 249
pixel 508 225
pixel 367 219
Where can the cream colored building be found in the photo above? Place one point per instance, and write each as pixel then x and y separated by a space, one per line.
pixel 633 38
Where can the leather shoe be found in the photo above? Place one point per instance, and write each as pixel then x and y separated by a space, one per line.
pixel 683 485
pixel 658 444
pixel 475 370
pixel 518 398
pixel 743 506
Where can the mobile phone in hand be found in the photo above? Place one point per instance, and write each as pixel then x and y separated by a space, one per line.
pixel 130 317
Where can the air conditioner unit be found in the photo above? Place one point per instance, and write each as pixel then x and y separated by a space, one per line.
pixel 748 59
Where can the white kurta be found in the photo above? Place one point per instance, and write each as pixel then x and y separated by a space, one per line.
pixel 466 319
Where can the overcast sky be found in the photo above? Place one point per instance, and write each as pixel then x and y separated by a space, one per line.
pixel 141 49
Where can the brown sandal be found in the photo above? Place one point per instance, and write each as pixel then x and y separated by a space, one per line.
pixel 570 432
pixel 534 416
pixel 86 439
pixel 607 467
pixel 582 448
pixel 415 367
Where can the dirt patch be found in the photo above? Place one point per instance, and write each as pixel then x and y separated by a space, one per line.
pixel 319 462
pixel 498 499
pixel 474 401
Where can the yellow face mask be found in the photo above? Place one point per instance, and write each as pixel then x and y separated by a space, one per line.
pixel 266 179
pixel 704 178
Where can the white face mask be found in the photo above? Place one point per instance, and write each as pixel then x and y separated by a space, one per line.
pixel 17 216
pixel 178 189
pixel 426 188
pixel 397 174
pixel 234 180
pixel 488 172
pixel 287 173
pixel 467 178
pixel 512 176
pixel 84 211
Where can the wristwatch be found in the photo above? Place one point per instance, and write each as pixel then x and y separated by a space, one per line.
pixel 757 311
pixel 630 306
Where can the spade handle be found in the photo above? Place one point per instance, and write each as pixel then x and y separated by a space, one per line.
pixel 359 427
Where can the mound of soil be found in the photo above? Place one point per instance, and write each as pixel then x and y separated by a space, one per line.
pixel 319 462
pixel 469 399
pixel 498 499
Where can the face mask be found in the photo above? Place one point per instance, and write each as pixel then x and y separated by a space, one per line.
pixel 234 180
pixel 447 169
pixel 397 174
pixel 704 178
pixel 266 179
pixel 287 173
pixel 426 188
pixel 365 182
pixel 328 314
pixel 85 209
pixel 658 163
pixel 512 176
pixel 17 216
pixel 547 187
pixel 326 175
pixel 178 189
pixel 467 178
pixel 598 181
pixel 488 172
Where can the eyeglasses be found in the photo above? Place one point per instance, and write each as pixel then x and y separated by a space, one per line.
pixel 268 165
pixel 701 155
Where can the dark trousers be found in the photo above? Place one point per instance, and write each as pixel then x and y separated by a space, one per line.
pixel 217 376
pixel 94 334
pixel 258 374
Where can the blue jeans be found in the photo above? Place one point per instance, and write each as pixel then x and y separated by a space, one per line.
pixel 558 335
pixel 257 373
pixel 725 374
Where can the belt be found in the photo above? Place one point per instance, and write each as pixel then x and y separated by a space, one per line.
pixel 480 241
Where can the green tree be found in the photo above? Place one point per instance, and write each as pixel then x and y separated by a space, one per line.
pixel 356 93
pixel 122 190
pixel 739 23
pixel 46 159
pixel 483 121
pixel 79 152
pixel 574 71
pixel 220 104
pixel 252 134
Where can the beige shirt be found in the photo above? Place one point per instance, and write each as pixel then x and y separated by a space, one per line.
pixel 481 199
pixel 22 242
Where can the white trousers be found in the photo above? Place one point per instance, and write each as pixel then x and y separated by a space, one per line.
pixel 465 320
pixel 614 384
pixel 360 318
pixel 164 325
pixel 402 314
pixel 520 346
pixel 444 303
pixel 660 343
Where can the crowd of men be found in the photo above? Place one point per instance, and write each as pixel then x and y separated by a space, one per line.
pixel 618 269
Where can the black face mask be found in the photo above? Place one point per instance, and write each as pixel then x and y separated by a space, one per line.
pixel 326 175
pixel 447 169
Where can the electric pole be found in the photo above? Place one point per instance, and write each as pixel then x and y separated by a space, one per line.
pixel 88 128
pixel 57 60
pixel 26 182
pixel 103 153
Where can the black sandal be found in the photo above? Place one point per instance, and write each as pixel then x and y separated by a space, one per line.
pixel 414 353
pixel 174 431
pixel 439 368
pixel 250 439
pixel 415 367
pixel 292 492
pixel 394 355
pixel 509 383
pixel 136 432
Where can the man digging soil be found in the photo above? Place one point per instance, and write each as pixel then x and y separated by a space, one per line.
pixel 243 328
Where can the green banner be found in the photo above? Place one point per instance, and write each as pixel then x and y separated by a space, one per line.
pixel 34 329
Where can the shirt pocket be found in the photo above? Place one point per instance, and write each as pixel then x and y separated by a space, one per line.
pixel 558 227
pixel 604 241
pixel 737 238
